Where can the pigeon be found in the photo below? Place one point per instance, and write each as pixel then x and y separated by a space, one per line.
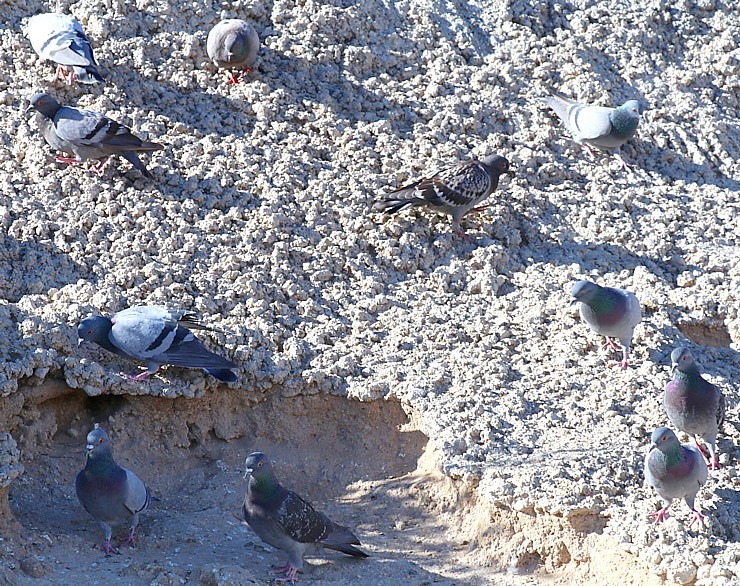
pixel 107 491
pixel 455 190
pixel 156 335
pixel 233 44
pixel 611 312
pixel 87 135
pixel 693 404
pixel 596 126
pixel 284 520
pixel 675 470
pixel 60 38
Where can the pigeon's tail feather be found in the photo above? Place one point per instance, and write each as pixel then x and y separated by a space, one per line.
pixel 222 374
pixel 348 549
pixel 392 206
pixel 131 157
pixel 88 75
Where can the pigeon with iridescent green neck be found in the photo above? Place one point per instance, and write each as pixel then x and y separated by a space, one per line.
pixel 693 404
pixel 674 470
pixel 595 126
pixel 108 492
pixel 233 44
pixel 611 312
pixel 284 520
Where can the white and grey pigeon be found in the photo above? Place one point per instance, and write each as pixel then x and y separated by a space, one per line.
pixel 59 38
pixel 107 491
pixel 156 335
pixel 693 404
pixel 85 134
pixel 455 190
pixel 233 44
pixel 596 126
pixel 284 520
pixel 610 312
pixel 675 470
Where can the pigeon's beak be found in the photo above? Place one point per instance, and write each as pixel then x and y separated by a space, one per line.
pixel 29 109
pixel 574 301
pixel 652 447
pixel 89 449
pixel 79 341
pixel 673 368
pixel 247 472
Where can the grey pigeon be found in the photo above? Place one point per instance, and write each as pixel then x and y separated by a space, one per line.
pixel 284 520
pixel 156 335
pixel 455 190
pixel 693 404
pixel 60 38
pixel 87 135
pixel 610 312
pixel 233 44
pixel 675 471
pixel 596 126
pixel 108 492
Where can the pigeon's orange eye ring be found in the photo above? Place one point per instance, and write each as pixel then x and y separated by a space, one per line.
pixel 259 465
pixel 664 438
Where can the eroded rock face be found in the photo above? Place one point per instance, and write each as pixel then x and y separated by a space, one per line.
pixel 10 469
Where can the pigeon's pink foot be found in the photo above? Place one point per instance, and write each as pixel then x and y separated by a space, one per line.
pixel 108 548
pixel 233 79
pixel 478 210
pixel 288 570
pixel 697 516
pixel 61 73
pixel 610 344
pixel 589 151
pixel 660 516
pixel 623 363
pixel 625 166
pixel 61 159
pixel 99 169
pixel 131 539
pixel 139 377
pixel 714 463
pixel 704 452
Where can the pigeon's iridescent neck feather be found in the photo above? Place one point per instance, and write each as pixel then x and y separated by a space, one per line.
pixel 624 121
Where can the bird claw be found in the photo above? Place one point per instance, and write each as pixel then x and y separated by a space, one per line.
pixel 289 571
pixel 108 548
pixel 130 541
pixel 139 377
pixel 697 516
pixel 611 345
pixel 660 516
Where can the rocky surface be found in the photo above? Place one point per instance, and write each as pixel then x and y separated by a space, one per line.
pixel 258 220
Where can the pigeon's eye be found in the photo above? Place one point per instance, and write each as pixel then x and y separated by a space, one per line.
pixel 664 438
pixel 100 441
pixel 259 465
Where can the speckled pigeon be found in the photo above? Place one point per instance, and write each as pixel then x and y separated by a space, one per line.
pixel 108 492
pixel 60 38
pixel 233 44
pixel 454 190
pixel 87 135
pixel 611 312
pixel 156 335
pixel 675 470
pixel 284 520
pixel 596 126
pixel 693 404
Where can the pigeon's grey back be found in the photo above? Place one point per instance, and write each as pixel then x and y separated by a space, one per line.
pixel 60 38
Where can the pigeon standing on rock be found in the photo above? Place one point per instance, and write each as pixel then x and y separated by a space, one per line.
pixel 284 520
pixel 693 404
pixel 675 470
pixel 87 135
pixel 596 126
pixel 233 44
pixel 611 312
pixel 455 190
pixel 156 335
pixel 60 38
pixel 107 491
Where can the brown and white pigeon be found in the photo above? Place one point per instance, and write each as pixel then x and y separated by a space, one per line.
pixel 285 521
pixel 59 38
pixel 85 134
pixel 233 44
pixel 107 491
pixel 455 190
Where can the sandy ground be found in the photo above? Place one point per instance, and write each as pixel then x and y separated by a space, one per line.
pixel 258 220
